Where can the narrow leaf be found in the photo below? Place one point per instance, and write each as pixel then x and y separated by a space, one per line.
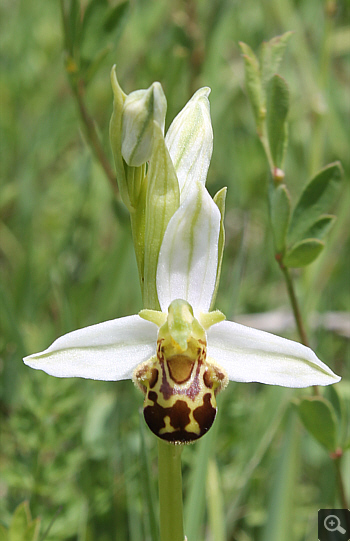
pixel 316 199
pixel 319 418
pixel 194 510
pixel 253 82
pixel 271 55
pixel 303 253
pixel 116 17
pixel 279 523
pixel 215 501
pixel 148 484
pixel 93 15
pixel 276 118
pixel 92 66
pixel 74 24
pixel 93 35
pixel 280 208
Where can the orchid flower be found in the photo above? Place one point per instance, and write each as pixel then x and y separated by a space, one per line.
pixel 182 355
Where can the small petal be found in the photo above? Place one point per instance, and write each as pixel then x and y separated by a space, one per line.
pixel 108 351
pixel 188 256
pixel 251 355
pixel 190 141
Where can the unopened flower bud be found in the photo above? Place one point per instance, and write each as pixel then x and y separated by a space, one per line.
pixel 141 108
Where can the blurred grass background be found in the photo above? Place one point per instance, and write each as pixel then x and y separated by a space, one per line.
pixel 78 450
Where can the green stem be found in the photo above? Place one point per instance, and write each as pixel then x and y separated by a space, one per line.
pixel 341 486
pixel 265 143
pixel 295 305
pixel 296 310
pixel 170 492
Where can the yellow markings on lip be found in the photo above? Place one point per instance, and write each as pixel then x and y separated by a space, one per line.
pixel 180 383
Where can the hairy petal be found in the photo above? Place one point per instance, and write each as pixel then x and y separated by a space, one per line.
pixel 108 351
pixel 251 355
pixel 188 256
pixel 190 141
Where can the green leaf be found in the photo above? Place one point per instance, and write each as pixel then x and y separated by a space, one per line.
pixel 147 482
pixel 93 16
pixel 215 503
pixel 321 227
pixel 280 208
pixel 194 510
pixel 319 418
pixel 303 253
pixel 271 56
pixel 102 25
pixel 19 522
pixel 331 394
pixel 219 200
pixel 92 66
pixel 277 107
pixel 3 533
pixel 116 17
pixel 316 199
pixel 74 26
pixel 253 83
pixel 279 523
pixel 32 532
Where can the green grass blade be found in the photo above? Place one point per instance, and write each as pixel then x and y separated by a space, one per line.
pixel 279 524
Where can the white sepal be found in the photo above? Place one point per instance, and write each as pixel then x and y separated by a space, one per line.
pixel 107 351
pixel 190 141
pixel 188 256
pixel 251 355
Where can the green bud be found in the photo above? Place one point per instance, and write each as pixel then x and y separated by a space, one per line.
pixel 140 109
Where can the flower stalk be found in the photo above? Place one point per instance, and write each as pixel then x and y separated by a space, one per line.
pixel 170 491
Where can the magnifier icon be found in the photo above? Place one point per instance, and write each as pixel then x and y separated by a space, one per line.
pixel 332 524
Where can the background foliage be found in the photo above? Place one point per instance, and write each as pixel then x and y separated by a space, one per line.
pixel 78 450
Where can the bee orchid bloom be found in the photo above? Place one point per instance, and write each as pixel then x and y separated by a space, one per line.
pixel 181 356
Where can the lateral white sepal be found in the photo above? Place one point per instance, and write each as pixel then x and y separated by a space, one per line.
pixel 251 355
pixel 108 351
